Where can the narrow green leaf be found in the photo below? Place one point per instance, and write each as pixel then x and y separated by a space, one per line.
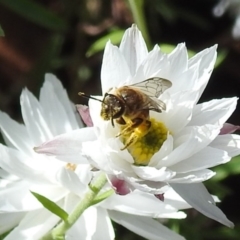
pixel 51 206
pixel 36 13
pixel 114 36
pixel 2 34
pixel 102 196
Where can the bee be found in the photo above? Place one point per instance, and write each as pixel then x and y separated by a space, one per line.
pixel 129 106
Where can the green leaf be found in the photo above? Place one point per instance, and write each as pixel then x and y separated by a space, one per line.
pixel 102 196
pixel 2 34
pixel 51 206
pixel 36 13
pixel 115 37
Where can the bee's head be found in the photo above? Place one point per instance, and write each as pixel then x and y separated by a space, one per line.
pixel 112 107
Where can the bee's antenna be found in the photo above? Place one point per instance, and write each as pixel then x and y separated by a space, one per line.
pixel 88 96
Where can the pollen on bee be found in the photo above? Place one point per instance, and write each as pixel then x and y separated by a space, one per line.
pixel 146 146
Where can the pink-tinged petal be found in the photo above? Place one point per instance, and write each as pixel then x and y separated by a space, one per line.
pixel 69 144
pixel 133 48
pixel 229 128
pixel 198 197
pixel 144 226
pixel 160 197
pixel 85 114
pixel 120 186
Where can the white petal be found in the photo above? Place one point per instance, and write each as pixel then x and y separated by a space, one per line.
pixel 9 220
pixel 67 145
pixel 94 224
pixel 193 177
pixel 34 225
pixel 153 174
pixel 18 164
pixel 34 118
pixel 133 48
pixel 214 112
pixel 114 68
pixel 188 142
pixel 70 181
pixel 198 197
pixel 206 59
pixel 15 134
pixel 206 158
pixel 144 226
pixel 57 109
pixel 181 109
pixel 229 143
pixel 25 201
pixel 140 203
pixel 178 59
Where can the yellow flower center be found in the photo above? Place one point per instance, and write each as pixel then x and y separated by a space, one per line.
pixel 145 147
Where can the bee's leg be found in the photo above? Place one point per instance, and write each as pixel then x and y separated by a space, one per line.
pixel 138 132
pixel 130 128
pixel 120 121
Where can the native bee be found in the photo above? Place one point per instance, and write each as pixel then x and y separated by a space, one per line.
pixel 129 107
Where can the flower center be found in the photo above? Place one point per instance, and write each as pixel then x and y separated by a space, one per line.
pixel 145 147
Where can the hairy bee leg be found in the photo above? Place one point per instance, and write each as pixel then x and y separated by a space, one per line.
pixel 138 132
pixel 135 123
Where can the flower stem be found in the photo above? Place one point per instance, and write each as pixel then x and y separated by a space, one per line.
pixel 136 7
pixel 58 233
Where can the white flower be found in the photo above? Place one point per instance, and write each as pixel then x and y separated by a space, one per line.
pixel 23 170
pixel 186 136
pixel 233 6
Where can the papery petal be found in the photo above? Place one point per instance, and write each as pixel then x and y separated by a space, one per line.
pixel 133 48
pixel 34 225
pixel 198 197
pixel 229 143
pixel 15 134
pixel 85 114
pixel 114 68
pixel 93 224
pixel 56 106
pixel 214 112
pixel 193 177
pixel 206 59
pixel 188 142
pixel 206 158
pixel 144 226
pixel 9 220
pixel 34 118
pixel 153 174
pixel 229 128
pixel 67 145
pixel 147 205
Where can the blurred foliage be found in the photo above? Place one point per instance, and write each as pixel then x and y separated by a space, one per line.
pixel 68 38
pixel 1 32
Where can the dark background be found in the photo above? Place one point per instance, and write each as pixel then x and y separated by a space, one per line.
pixel 58 39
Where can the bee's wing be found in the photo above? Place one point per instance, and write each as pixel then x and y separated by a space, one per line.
pixel 154 104
pixel 153 87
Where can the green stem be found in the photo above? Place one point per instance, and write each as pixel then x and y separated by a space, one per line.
pixel 58 233
pixel 136 7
